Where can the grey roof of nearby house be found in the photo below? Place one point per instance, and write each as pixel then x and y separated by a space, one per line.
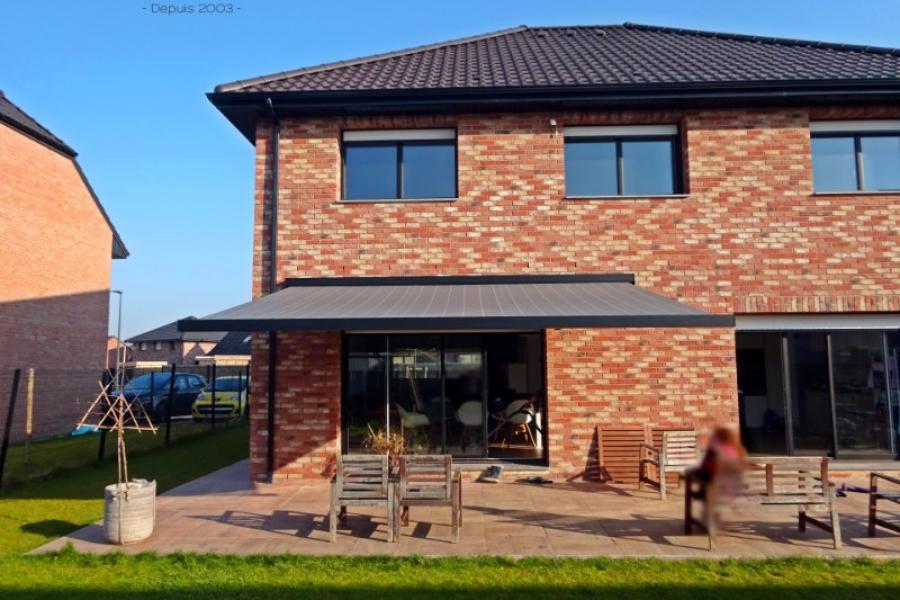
pixel 18 119
pixel 235 343
pixel 588 55
pixel 170 333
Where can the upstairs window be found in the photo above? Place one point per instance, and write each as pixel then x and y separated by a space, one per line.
pixel 402 164
pixel 641 160
pixel 851 156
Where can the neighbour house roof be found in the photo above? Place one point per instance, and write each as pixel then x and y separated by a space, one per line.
pixel 170 333
pixel 15 117
pixel 235 343
pixel 615 64
pixel 459 303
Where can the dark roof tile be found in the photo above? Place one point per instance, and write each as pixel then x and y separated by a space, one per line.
pixel 594 55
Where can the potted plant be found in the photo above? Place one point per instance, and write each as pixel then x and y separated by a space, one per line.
pixel 129 513
pixel 382 442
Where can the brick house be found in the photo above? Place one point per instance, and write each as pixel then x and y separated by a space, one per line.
pixel 56 250
pixel 498 243
pixel 166 344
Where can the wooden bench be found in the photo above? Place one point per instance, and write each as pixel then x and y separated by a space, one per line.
pixel 361 480
pixel 796 483
pixel 674 452
pixel 875 495
pixel 428 480
pixel 619 453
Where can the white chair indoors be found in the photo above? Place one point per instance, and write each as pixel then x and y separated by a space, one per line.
pixel 411 420
pixel 515 420
pixel 471 416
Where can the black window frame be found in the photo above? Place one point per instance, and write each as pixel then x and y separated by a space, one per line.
pixel 677 173
pixel 858 163
pixel 399 145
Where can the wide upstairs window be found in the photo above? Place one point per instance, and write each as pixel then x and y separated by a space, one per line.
pixel 851 156
pixel 399 164
pixel 641 160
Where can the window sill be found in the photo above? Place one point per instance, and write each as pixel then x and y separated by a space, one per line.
pixel 396 200
pixel 629 197
pixel 858 193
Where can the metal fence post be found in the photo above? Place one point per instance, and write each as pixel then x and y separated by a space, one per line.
pixel 102 446
pixel 213 417
pixel 240 395
pixel 7 427
pixel 169 405
pixel 247 394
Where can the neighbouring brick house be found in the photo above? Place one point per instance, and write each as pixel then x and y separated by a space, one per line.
pixel 166 344
pixel 56 250
pixel 498 243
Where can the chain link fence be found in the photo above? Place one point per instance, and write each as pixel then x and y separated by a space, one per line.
pixel 40 408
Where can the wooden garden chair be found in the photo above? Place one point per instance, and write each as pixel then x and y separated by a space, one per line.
pixel 619 453
pixel 675 452
pixel 779 483
pixel 889 495
pixel 361 480
pixel 428 480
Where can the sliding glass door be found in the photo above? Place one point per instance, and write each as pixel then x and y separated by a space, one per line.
pixel 470 395
pixel 761 395
pixel 831 393
pixel 415 402
pixel 812 430
pixel 861 399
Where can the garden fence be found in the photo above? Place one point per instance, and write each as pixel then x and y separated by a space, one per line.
pixel 40 408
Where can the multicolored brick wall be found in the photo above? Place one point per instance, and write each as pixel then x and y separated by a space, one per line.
pixel 666 378
pixel 748 236
pixel 308 401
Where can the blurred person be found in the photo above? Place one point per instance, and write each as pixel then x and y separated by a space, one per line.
pixel 721 471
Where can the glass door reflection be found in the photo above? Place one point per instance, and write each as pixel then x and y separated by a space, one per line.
pixel 464 391
pixel 861 401
pixel 812 428
pixel 414 393
pixel 365 383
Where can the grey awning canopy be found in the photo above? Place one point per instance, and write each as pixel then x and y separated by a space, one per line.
pixel 458 303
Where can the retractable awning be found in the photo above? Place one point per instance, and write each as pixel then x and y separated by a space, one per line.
pixel 458 303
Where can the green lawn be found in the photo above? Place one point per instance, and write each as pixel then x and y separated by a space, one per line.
pixel 67 452
pixel 36 512
pixel 72 576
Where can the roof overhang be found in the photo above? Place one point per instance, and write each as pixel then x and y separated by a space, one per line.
pixel 468 303
pixel 244 109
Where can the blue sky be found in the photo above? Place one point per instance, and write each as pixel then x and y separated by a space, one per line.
pixel 125 87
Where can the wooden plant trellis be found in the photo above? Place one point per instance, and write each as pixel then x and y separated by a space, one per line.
pixel 117 414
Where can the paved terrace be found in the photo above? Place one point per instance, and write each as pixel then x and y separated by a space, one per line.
pixel 224 513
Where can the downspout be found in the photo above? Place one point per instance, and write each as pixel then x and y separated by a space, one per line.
pixel 273 278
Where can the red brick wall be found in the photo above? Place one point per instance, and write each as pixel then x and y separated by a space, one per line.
pixel 664 378
pixel 55 249
pixel 307 421
pixel 748 236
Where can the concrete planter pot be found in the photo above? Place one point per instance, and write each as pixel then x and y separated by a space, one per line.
pixel 129 513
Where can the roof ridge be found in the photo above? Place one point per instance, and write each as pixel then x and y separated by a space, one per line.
pixel 781 41
pixel 241 83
